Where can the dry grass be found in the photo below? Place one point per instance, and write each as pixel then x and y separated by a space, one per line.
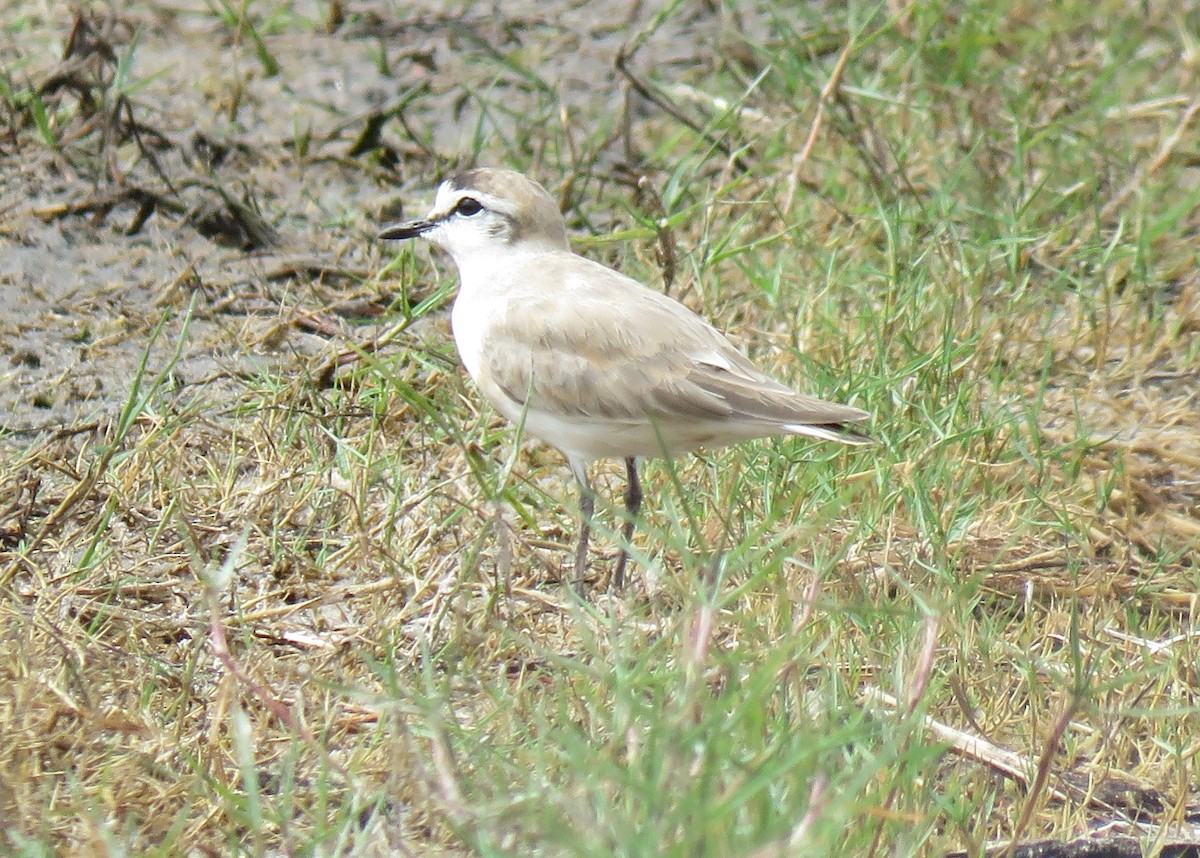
pixel 282 585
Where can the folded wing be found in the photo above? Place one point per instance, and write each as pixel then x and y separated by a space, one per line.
pixel 625 353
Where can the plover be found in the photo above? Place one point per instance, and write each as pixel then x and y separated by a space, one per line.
pixel 589 360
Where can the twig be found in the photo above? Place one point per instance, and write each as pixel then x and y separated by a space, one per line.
pixel 698 637
pixel 919 681
pixel 326 371
pixel 504 549
pixel 1160 157
pixel 654 97
pixel 78 492
pixel 917 689
pixel 809 605
pixel 976 748
pixel 214 580
pixel 816 804
pixel 831 85
pixel 1032 775
pixel 667 258
pixel 443 764
pixel 1043 773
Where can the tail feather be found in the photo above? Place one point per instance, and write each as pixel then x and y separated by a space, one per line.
pixel 842 432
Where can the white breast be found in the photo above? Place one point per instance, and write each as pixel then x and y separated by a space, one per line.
pixel 483 296
pixel 469 322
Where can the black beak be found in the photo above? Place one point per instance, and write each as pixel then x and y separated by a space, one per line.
pixel 408 229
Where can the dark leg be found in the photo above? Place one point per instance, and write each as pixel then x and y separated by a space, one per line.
pixel 587 507
pixel 633 505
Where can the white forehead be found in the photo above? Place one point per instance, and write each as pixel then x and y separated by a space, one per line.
pixel 449 195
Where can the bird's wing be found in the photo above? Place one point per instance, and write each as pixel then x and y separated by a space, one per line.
pixel 755 395
pixel 605 347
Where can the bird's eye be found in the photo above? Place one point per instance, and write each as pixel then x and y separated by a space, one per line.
pixel 468 206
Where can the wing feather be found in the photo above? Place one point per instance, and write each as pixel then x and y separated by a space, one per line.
pixel 604 347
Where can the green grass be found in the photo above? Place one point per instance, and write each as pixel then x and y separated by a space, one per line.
pixel 990 246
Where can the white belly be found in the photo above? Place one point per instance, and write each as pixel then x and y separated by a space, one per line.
pixel 588 439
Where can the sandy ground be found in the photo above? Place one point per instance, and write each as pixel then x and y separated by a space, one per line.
pixel 180 228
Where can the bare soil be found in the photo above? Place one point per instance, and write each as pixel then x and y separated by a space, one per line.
pixel 224 213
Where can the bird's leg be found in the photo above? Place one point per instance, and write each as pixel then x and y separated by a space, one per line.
pixel 633 505
pixel 587 507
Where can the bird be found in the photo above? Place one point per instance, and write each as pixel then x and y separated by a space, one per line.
pixel 589 360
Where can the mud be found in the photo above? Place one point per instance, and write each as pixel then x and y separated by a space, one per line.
pixel 201 210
